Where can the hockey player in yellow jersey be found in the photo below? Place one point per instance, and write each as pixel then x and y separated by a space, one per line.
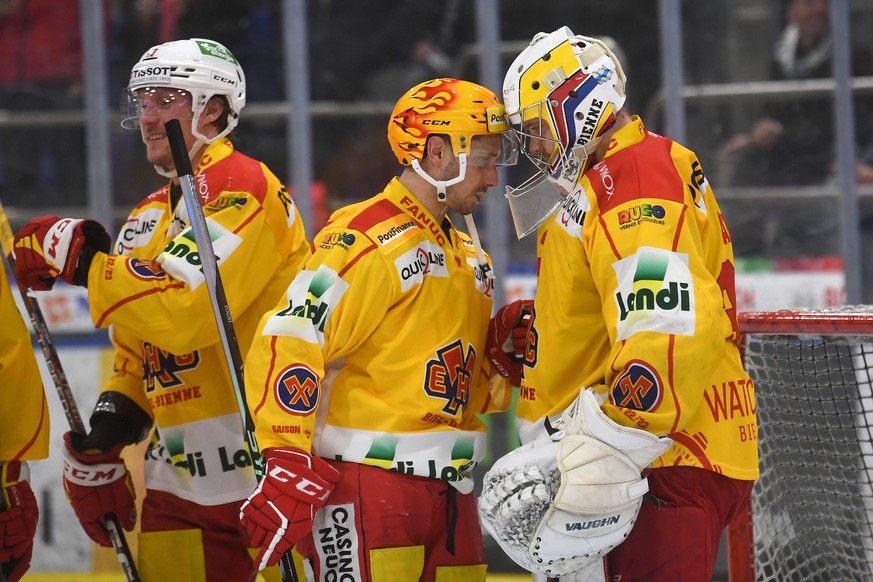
pixel 24 435
pixel 632 343
pixel 149 290
pixel 366 382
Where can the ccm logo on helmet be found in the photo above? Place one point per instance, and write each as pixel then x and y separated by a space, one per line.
pixel 150 72
pixel 224 80
pixel 435 122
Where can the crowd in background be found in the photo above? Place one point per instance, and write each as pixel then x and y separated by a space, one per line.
pixel 374 50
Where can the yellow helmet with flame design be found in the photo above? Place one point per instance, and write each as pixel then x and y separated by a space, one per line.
pixel 452 107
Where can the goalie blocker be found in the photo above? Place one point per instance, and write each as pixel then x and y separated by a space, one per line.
pixel 561 502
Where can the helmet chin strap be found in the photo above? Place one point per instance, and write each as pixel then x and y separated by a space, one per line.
pixel 441 185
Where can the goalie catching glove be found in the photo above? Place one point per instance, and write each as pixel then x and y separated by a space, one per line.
pixel 280 511
pixel 559 503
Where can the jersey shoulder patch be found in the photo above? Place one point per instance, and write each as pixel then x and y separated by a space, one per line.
pixel 386 224
pixel 235 177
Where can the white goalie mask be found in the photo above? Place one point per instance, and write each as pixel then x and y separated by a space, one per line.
pixel 562 94
pixel 558 504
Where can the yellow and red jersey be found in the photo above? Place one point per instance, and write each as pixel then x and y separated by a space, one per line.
pixel 168 356
pixel 377 355
pixel 635 297
pixel 24 418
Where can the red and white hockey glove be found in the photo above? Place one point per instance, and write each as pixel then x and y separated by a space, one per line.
pixel 17 520
pixel 48 248
pixel 280 511
pixel 98 485
pixel 507 336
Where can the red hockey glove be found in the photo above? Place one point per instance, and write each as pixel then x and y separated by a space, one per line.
pixel 17 521
pixel 49 247
pixel 279 512
pixel 507 335
pixel 97 485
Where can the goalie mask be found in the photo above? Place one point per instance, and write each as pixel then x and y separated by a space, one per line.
pixel 558 504
pixel 196 66
pixel 562 94
pixel 460 110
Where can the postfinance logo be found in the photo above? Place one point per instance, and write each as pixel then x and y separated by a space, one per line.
pixel 655 292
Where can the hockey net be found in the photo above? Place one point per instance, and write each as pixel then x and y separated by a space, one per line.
pixel 811 512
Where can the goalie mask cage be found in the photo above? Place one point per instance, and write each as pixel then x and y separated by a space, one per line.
pixel 811 513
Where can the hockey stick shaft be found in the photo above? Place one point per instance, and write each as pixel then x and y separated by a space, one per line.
pixel 220 306
pixel 65 393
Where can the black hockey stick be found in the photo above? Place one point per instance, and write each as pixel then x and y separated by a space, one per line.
pixel 220 306
pixel 68 401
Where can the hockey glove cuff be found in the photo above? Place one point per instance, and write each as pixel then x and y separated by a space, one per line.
pixel 280 511
pixel 507 336
pixel 97 484
pixel 48 248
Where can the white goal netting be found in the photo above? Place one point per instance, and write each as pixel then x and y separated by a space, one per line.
pixel 812 507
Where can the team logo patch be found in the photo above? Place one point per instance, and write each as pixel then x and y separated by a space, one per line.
pixel 639 387
pixel 161 368
pixel 145 270
pixel 297 389
pixel 449 376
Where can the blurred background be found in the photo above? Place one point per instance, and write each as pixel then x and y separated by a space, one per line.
pixel 775 96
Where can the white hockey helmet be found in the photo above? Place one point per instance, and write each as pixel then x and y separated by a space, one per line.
pixel 562 94
pixel 199 66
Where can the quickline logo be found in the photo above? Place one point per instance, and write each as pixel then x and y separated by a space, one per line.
pixel 655 293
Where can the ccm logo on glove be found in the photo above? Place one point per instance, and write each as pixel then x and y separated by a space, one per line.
pixel 93 474
pixel 302 484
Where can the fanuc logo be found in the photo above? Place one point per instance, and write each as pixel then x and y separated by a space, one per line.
pixel 655 292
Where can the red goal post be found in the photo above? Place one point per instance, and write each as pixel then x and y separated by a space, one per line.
pixel 810 516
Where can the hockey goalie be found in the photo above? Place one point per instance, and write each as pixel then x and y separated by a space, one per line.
pixel 558 504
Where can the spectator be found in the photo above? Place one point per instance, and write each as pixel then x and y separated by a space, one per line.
pixel 793 142
pixel 41 70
